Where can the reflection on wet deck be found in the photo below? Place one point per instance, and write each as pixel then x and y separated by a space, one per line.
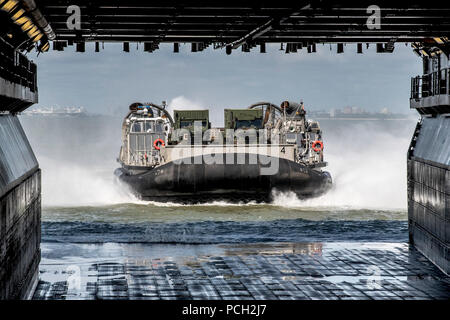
pixel 251 271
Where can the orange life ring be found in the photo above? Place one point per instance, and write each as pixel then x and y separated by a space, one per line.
pixel 317 149
pixel 158 141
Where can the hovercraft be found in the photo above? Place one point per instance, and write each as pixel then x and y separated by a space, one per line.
pixel 260 149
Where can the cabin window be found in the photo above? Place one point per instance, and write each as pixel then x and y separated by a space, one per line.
pixel 257 123
pixel 443 82
pixel 136 127
pixel 185 124
pixel 189 123
pixel 158 127
pixel 148 127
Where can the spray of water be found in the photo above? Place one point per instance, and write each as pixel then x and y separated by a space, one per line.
pixel 183 103
pixel 368 167
pixel 70 184
pixel 367 161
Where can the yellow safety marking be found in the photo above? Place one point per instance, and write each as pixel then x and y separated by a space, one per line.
pixel 45 47
pixel 18 14
pixel 27 26
pixel 38 37
pixel 9 6
pixel 22 20
pixel 32 31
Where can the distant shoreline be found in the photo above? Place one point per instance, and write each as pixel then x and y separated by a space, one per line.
pixel 84 115
pixel 359 119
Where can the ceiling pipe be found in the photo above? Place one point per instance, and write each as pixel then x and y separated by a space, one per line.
pixel 41 22
pixel 260 30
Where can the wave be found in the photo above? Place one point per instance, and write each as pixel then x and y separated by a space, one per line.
pixel 209 232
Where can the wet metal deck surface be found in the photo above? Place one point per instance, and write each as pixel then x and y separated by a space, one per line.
pixel 257 271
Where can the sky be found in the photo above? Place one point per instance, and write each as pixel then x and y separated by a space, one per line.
pixel 109 81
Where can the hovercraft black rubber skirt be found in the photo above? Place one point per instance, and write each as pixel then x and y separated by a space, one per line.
pixel 194 181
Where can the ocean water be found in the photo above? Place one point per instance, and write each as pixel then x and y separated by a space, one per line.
pixel 82 202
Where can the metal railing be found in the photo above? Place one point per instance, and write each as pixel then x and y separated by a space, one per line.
pixel 139 149
pixel 16 68
pixel 431 84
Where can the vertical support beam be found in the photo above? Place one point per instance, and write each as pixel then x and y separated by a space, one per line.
pixel 429 170
pixel 20 181
pixel 20 212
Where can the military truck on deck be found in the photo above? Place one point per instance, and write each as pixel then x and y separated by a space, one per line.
pixel 184 119
pixel 243 119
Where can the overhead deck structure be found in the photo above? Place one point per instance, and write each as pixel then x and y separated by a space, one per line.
pixel 247 23
pixel 26 25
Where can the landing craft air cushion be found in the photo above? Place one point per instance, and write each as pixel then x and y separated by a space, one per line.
pixel 260 149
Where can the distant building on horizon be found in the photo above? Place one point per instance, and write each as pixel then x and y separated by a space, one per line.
pixel 55 111
pixel 355 113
